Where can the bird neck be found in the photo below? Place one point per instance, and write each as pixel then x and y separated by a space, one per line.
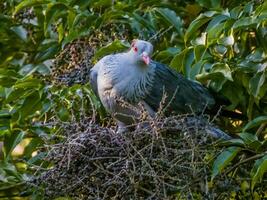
pixel 134 59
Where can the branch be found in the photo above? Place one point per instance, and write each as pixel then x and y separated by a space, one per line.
pixel 246 160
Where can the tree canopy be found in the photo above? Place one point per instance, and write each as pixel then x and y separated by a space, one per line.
pixel 47 48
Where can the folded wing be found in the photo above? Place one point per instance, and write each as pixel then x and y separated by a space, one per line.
pixel 183 95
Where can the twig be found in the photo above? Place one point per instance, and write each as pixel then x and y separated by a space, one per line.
pixel 261 128
pixel 244 161
pixel 159 33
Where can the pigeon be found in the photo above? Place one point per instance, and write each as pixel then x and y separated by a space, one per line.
pixel 129 81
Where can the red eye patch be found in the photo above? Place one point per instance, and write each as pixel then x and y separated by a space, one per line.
pixel 135 49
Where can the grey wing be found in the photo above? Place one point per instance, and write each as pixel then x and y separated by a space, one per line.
pixel 93 79
pixel 183 95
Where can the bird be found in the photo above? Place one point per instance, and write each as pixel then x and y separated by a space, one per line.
pixel 124 81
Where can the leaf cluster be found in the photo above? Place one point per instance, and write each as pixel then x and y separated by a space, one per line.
pixel 219 43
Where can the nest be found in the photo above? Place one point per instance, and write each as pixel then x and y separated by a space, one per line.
pixel 164 159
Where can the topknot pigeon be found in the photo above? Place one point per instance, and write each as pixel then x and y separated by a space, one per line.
pixel 134 78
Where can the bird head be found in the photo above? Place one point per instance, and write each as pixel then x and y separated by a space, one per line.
pixel 142 51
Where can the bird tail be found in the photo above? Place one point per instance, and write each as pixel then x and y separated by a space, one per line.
pixel 217 133
pixel 232 115
pixel 219 108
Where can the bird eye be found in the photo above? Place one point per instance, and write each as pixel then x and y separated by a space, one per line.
pixel 135 49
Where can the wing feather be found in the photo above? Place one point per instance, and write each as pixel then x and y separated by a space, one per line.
pixel 183 95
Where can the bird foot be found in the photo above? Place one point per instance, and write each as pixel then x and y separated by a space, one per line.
pixel 121 128
pixel 142 126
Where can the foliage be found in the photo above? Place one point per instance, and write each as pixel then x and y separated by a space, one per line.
pixel 230 55
pixel 219 43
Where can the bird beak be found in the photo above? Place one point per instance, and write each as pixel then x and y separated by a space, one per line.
pixel 146 58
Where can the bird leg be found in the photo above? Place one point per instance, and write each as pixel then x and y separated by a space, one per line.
pixel 146 113
pixel 150 111
pixel 130 116
pixel 122 127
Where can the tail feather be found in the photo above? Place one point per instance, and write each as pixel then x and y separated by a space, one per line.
pixel 219 109
pixel 232 114
pixel 217 133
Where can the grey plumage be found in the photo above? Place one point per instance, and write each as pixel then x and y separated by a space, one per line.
pixel 132 77
pixel 117 78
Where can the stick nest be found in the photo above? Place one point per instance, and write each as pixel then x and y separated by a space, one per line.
pixel 166 159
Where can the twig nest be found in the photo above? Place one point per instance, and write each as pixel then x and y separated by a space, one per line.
pixel 168 158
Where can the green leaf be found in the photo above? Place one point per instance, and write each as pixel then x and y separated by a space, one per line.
pixel 63 114
pixel 144 22
pixel 20 31
pixel 28 83
pixel 250 140
pixel 95 102
pixel 71 17
pixel 256 56
pixel 51 12
pixel 258 170
pixel 31 147
pixel 235 93
pixel 219 74
pixel 223 160
pixel 37 158
pixel 170 16
pixel 214 33
pixel 224 69
pixel 220 50
pixel 29 3
pixel 210 3
pixel 7 80
pixel 245 22
pixel 199 52
pixel 74 34
pixel 166 55
pixel 250 107
pixel 61 32
pixel 182 62
pixel 196 24
pixel 4 125
pixel 11 141
pixel 248 8
pixel 44 68
pixel 8 73
pixel 31 104
pixel 217 20
pixel 47 53
pixel 101 3
pixel 217 80
pixel 233 142
pixel 236 12
pixel 27 70
pixel 255 84
pixel 196 69
pixel 17 94
pixel 255 122
pixel 81 17
pixel 10 171
pixel 113 47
